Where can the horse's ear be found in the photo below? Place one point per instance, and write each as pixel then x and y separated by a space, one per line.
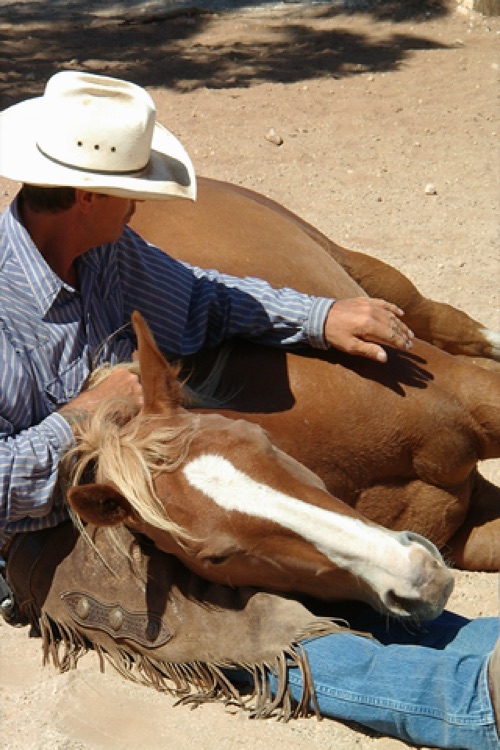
pixel 100 504
pixel 161 388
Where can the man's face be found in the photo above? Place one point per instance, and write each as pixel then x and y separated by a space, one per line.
pixel 109 217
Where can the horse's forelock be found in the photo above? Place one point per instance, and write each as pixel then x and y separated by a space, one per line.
pixel 120 445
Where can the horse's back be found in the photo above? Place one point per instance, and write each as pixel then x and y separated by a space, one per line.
pixel 243 233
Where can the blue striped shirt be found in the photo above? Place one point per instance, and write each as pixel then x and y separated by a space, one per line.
pixel 51 336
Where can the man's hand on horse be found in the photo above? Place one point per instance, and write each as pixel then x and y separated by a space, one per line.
pixel 358 326
pixel 120 382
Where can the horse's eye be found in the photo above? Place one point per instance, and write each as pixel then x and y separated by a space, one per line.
pixel 217 559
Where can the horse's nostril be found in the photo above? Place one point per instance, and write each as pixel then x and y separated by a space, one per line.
pixel 399 605
pixel 409 537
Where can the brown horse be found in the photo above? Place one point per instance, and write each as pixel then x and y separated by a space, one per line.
pixel 399 442
pixel 236 510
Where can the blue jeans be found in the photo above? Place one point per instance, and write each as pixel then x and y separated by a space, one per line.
pixel 424 686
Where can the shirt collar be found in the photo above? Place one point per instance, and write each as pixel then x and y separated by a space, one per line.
pixel 38 279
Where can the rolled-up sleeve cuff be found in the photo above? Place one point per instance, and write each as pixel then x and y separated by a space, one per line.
pixel 58 432
pixel 316 322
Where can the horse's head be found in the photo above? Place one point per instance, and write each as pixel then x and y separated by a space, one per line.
pixel 215 492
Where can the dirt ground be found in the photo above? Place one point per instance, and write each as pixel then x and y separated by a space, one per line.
pixel 377 125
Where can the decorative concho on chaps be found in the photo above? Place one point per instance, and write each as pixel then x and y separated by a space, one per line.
pixel 165 627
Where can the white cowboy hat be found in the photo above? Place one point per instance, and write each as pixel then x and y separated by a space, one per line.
pixel 96 133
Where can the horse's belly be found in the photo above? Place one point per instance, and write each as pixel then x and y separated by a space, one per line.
pixel 240 233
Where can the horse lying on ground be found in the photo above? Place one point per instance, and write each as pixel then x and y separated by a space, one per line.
pixel 244 233
pixel 235 510
pixel 400 442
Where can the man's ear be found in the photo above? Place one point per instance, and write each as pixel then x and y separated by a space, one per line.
pixel 85 199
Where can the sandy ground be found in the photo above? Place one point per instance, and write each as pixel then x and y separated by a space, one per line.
pixel 388 128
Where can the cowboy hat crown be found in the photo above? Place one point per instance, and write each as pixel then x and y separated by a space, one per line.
pixel 97 133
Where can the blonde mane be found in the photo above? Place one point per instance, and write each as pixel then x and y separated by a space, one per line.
pixel 114 445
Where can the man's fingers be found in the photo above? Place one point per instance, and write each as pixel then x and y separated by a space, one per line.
pixel 358 326
pixel 369 351
pixel 399 334
pixel 390 307
pixel 120 382
pixel 388 326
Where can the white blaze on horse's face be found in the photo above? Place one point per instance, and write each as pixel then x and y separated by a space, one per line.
pixel 399 567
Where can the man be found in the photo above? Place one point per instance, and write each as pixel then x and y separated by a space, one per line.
pixel 72 272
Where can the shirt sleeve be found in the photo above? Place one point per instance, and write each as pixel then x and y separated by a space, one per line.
pixel 189 308
pixel 29 458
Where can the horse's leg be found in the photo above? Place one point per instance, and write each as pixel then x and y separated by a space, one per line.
pixel 440 324
pixel 476 544
pixel 448 501
pixel 478 390
pixel 436 322
pixel 416 504
pixel 463 522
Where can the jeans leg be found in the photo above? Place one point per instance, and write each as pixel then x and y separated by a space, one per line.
pixel 425 687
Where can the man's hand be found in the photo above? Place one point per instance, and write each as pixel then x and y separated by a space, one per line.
pixel 357 326
pixel 120 382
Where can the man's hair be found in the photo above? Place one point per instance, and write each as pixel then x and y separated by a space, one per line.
pixel 48 199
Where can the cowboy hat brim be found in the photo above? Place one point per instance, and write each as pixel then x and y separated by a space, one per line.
pixel 169 172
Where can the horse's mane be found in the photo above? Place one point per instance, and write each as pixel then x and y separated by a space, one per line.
pixel 114 446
